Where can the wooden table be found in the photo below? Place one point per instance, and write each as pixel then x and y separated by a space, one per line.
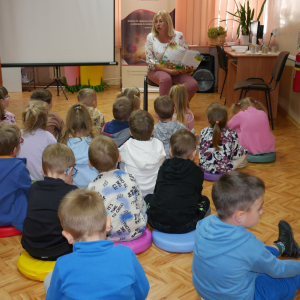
pixel 242 66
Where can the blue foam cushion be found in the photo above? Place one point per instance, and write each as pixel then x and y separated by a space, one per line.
pixel 173 242
pixel 211 177
pixel 262 157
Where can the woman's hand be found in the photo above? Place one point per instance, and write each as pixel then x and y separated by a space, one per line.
pixel 172 43
pixel 172 71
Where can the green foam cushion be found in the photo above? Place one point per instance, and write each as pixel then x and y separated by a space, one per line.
pixel 262 157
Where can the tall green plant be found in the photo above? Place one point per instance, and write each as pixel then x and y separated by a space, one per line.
pixel 245 16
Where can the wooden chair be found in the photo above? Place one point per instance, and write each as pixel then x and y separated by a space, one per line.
pixel 222 64
pixel 260 85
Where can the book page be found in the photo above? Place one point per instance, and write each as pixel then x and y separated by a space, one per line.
pixel 181 59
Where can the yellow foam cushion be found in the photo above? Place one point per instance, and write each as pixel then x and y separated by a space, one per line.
pixel 34 268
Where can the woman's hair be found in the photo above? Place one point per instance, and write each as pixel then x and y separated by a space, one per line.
pixel 245 103
pixel 167 18
pixel 3 94
pixel 217 117
pixel 78 120
pixel 35 116
pixel 179 96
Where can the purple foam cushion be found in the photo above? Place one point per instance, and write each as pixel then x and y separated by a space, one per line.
pixel 211 177
pixel 140 244
pixel 6 231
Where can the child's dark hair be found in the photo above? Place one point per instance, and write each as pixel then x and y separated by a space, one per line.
pixel 141 125
pixel 35 116
pixel 217 117
pixel 122 109
pixel 235 191
pixel 183 143
pixel 103 153
pixel 164 107
pixel 42 95
pixel 78 120
pixel 245 103
pixel 3 94
pixel 10 136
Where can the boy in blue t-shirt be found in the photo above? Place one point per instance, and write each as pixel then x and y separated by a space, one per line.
pixel 96 269
pixel 15 180
pixel 230 262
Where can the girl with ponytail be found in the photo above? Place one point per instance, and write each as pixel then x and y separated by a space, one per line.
pixel 78 133
pixel 220 151
pixel 250 120
pixel 36 137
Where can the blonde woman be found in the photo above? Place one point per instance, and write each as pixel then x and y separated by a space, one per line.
pixel 161 35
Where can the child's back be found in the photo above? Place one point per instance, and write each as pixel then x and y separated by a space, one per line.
pixel 252 127
pixel 142 156
pixel 96 269
pixel 42 236
pixel 78 134
pixel 36 138
pixel 118 129
pixel 220 151
pixel 15 181
pixel 177 203
pixel 120 192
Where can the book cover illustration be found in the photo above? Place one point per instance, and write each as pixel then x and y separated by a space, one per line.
pixel 181 59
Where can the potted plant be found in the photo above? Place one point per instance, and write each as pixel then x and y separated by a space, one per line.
pixel 216 35
pixel 245 16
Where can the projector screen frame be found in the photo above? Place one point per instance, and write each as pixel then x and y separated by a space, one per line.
pixel 113 63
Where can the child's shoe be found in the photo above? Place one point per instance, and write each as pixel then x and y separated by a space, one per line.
pixel 243 164
pixel 287 238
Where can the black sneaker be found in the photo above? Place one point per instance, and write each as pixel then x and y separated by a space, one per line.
pixel 287 238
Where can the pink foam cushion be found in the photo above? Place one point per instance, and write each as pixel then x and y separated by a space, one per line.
pixel 141 244
pixel 6 231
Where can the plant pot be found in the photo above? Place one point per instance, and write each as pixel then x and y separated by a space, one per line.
pixel 245 40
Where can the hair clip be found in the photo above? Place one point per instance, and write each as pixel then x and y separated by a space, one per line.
pixel 217 122
pixel 239 103
pixel 31 105
pixel 255 101
pixel 77 107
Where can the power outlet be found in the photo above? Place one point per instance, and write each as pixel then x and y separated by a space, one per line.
pixel 275 32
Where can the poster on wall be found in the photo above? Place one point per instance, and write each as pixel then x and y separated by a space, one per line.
pixel 137 16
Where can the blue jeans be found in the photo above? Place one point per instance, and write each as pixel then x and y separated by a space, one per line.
pixel 268 288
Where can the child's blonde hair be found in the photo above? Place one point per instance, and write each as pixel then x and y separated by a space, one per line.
pixel 57 158
pixel 9 137
pixel 103 153
pixel 217 117
pixel 133 93
pixel 87 96
pixel 3 94
pixel 35 117
pixel 167 18
pixel 179 96
pixel 82 213
pixel 78 120
pixel 245 103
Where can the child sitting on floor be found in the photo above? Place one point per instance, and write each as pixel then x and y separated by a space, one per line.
pixel 5 116
pixel 96 269
pixel 219 146
pixel 15 181
pixel 118 129
pixel 78 133
pixel 55 122
pixel 36 138
pixel 179 96
pixel 42 237
pixel 229 262
pixel 143 155
pixel 177 203
pixel 133 93
pixel 250 120
pixel 88 97
pixel 120 192
pixel 163 130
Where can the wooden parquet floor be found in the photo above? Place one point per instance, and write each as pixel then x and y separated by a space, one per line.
pixel 170 274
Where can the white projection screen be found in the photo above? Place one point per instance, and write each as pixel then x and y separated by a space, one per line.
pixel 57 32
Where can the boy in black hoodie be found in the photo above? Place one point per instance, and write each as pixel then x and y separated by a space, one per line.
pixel 177 203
